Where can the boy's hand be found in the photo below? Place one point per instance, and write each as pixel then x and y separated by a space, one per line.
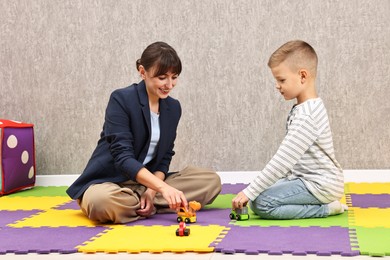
pixel 239 201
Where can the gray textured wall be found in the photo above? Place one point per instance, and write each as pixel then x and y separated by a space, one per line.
pixel 59 61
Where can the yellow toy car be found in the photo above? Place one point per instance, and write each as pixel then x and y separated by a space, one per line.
pixel 188 216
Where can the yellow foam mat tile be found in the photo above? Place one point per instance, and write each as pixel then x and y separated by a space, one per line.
pixel 369 217
pixel 367 188
pixel 153 239
pixel 343 199
pixel 56 218
pixel 31 203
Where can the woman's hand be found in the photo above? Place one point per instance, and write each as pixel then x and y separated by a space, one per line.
pixel 147 208
pixel 239 201
pixel 155 182
pixel 174 197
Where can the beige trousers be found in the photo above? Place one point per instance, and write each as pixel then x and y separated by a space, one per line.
pixel 117 203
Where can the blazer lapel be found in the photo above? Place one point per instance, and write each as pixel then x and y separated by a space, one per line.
pixel 144 101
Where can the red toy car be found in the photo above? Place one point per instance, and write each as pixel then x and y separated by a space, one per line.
pixel 182 230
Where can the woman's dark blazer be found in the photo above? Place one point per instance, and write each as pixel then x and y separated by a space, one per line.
pixel 125 139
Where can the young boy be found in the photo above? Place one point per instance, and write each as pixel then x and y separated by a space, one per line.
pixel 303 179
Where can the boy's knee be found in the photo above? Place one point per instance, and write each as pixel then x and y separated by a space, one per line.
pixel 262 208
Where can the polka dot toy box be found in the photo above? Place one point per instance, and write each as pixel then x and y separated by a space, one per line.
pixel 17 165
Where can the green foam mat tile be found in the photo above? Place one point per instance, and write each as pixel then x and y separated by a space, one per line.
pixel 40 191
pixel 254 220
pixel 223 201
pixel 373 241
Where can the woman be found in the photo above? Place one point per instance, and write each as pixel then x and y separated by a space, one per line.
pixel 127 176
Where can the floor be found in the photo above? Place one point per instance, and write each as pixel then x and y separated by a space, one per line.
pixel 185 256
pixel 358 176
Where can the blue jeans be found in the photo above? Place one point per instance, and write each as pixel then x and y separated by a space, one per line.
pixel 288 199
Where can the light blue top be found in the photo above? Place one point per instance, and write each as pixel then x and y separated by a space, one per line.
pixel 155 128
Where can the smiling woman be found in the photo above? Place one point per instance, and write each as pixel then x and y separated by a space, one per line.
pixel 159 66
pixel 161 56
pixel 128 176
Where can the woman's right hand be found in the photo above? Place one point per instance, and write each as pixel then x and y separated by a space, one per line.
pixel 174 197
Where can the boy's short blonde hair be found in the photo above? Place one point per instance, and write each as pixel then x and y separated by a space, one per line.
pixel 298 54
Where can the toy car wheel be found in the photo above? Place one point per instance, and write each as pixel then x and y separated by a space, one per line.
pixel 187 220
pixel 186 232
pixel 231 216
pixel 179 219
pixel 238 217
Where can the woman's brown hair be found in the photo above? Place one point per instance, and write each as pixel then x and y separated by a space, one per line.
pixel 161 56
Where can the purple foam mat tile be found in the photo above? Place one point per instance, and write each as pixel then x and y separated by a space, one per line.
pixel 251 252
pixel 353 253
pixel 8 217
pixel 370 200
pixel 43 252
pixel 232 188
pixel 22 252
pixel 68 205
pixel 203 217
pixel 166 219
pixel 275 253
pixel 214 217
pixel 294 240
pixel 228 251
pixel 324 254
pixel 45 239
pixel 298 253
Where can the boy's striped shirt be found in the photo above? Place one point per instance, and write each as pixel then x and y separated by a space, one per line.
pixel 306 153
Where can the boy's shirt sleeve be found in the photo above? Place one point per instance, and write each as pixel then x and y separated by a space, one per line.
pixel 302 133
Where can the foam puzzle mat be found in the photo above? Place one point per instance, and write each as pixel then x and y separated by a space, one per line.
pixel 45 220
